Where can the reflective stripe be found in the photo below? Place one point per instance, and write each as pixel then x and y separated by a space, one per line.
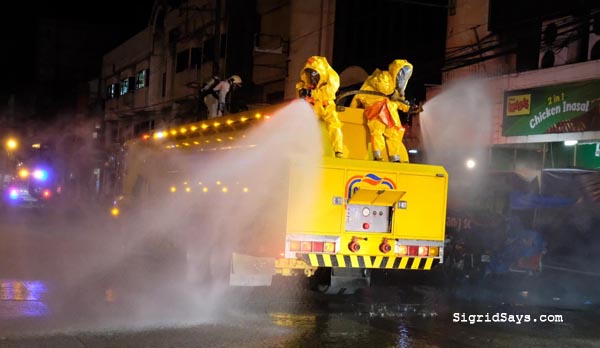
pixel 354 261
pixel 429 263
pixel 341 261
pixel 368 263
pixel 390 262
pixel 327 260
pixel 404 262
pixel 360 261
pixel 377 262
pixel 416 263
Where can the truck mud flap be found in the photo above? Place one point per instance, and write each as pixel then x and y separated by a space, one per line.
pixel 249 270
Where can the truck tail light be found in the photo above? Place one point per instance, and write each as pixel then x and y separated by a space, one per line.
pixel 329 247
pixel 402 250
pixel 317 247
pixel 423 251
pixel 434 251
pixel 309 246
pixel 413 250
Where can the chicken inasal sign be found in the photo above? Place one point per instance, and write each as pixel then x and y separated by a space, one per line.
pixel 564 108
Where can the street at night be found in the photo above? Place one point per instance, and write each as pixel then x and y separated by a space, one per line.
pixel 53 298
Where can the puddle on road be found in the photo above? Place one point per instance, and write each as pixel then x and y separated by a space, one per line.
pixel 22 298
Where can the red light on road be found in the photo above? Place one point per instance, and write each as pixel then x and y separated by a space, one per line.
pixel 46 193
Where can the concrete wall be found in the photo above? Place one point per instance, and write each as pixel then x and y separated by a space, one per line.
pixel 311 33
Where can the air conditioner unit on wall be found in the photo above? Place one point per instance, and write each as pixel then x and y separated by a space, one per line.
pixel 559 42
pixel 594 39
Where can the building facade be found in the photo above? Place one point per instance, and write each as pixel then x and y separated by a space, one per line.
pixel 153 79
pixel 541 70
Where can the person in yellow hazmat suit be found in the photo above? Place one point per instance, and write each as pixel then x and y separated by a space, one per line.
pixel 383 97
pixel 318 85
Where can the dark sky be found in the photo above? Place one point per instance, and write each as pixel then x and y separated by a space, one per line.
pixel 373 34
pixel 104 23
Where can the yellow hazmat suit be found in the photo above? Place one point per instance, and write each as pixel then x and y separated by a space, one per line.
pixel 318 85
pixel 381 109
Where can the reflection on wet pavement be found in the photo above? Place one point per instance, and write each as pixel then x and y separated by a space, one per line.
pixel 22 298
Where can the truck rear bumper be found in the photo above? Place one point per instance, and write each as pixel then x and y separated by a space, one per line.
pixel 365 261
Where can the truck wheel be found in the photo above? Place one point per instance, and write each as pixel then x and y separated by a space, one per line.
pixel 321 280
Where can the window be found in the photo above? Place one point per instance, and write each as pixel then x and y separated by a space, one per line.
pixel 142 79
pixel 111 91
pixel 124 86
pixel 182 60
pixel 209 48
pixel 195 57
pixel 164 84
pixel 127 85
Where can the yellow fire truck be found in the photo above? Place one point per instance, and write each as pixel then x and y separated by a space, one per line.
pixel 364 215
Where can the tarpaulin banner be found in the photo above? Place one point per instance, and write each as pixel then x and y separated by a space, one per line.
pixel 564 108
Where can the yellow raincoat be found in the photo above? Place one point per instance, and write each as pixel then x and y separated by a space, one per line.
pixel 381 111
pixel 322 88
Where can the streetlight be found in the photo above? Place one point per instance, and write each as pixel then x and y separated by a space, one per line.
pixel 11 144
pixel 470 163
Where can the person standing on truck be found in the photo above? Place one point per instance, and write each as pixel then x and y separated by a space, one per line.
pixel 383 98
pixel 318 85
pixel 215 93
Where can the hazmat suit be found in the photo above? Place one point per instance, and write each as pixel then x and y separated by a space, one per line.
pixel 381 109
pixel 318 85
pixel 215 93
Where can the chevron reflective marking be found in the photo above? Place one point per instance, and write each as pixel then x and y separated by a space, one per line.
pixel 354 261
pixel 367 262
pixel 404 263
pixel 390 262
pixel 341 260
pixel 416 262
pixel 428 263
pixel 377 262
pixel 364 261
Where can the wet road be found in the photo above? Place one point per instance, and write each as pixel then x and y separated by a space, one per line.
pixel 76 284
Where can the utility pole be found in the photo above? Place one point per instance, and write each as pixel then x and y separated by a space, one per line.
pixel 216 65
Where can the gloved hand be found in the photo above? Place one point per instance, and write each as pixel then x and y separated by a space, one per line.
pixel 416 108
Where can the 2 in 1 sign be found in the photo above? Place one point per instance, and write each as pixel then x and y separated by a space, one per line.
pixel 564 108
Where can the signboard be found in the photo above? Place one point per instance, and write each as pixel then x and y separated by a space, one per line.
pixel 564 108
